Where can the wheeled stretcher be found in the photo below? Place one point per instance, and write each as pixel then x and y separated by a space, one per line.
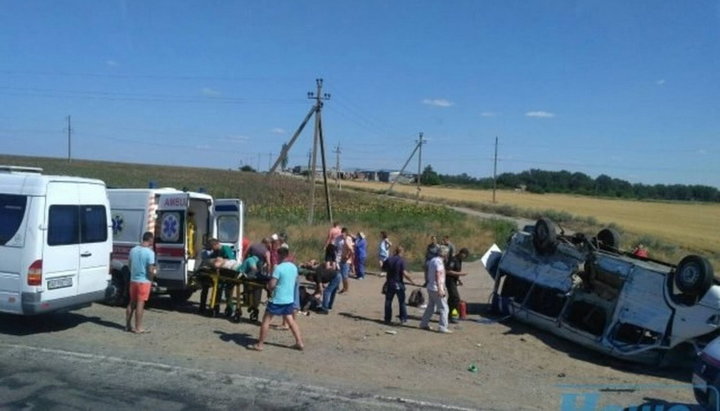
pixel 240 291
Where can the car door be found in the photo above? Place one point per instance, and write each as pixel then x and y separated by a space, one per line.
pixel 95 239
pixel 641 315
pixel 170 238
pixel 61 253
pixel 228 223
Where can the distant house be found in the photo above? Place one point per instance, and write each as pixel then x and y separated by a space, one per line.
pixel 367 175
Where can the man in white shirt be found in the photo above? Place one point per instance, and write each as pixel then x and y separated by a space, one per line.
pixel 437 293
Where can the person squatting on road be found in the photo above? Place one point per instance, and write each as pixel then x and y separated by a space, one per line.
pixel 453 272
pixel 394 285
pixel 282 286
pixel 437 293
pixel 142 272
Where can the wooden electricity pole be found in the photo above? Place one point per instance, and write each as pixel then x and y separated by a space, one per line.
pixel 419 173
pixel 495 169
pixel 319 97
pixel 69 139
pixel 337 165
pixel 417 146
pixel 316 109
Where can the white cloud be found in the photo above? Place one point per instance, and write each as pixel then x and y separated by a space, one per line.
pixel 240 139
pixel 278 130
pixel 207 91
pixel 438 102
pixel 540 114
pixel 111 63
pixel 203 147
pixel 488 114
pixel 702 152
pixel 660 82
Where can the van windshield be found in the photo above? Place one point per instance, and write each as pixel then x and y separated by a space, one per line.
pixel 12 210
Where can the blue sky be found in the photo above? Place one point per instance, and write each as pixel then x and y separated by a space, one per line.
pixel 625 88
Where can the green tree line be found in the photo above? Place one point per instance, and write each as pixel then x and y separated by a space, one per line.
pixel 541 181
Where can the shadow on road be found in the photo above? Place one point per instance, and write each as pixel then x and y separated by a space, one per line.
pixel 18 325
pixel 677 363
pixel 245 340
pixel 656 404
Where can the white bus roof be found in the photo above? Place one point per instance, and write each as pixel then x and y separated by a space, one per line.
pixel 33 183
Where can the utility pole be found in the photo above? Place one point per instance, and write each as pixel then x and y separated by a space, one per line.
pixel 316 109
pixel 328 207
pixel 319 97
pixel 419 173
pixel 308 167
pixel 417 146
pixel 69 139
pixel 258 162
pixel 495 169
pixel 337 165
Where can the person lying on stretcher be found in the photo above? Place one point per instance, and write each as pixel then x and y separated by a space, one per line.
pixel 222 256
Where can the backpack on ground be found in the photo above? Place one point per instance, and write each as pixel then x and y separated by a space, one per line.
pixel 416 298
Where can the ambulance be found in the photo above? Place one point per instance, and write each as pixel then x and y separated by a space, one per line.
pixel 182 223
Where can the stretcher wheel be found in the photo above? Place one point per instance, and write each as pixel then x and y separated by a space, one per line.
pixel 254 314
pixel 236 316
pixel 215 312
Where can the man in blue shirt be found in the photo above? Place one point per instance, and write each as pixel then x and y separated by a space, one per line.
pixel 394 285
pixel 142 271
pixel 282 289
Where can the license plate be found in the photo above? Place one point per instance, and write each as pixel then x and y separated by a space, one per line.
pixel 63 282
pixel 169 266
pixel 698 383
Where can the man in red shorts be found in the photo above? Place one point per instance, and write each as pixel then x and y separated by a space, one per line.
pixel 142 271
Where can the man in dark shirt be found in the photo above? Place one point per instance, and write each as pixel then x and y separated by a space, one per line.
pixel 453 272
pixel 262 252
pixel 394 285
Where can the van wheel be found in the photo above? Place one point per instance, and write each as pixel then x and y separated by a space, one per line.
pixel 608 239
pixel 544 236
pixel 120 295
pixel 694 275
pixel 180 296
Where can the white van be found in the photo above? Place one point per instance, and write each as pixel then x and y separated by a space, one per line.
pixel 55 241
pixel 169 213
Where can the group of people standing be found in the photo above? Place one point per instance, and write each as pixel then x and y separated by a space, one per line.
pixel 344 254
pixel 443 269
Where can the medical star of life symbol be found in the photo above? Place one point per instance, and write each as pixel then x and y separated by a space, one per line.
pixel 170 227
pixel 117 223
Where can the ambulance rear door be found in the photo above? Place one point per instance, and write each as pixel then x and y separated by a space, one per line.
pixel 170 238
pixel 228 223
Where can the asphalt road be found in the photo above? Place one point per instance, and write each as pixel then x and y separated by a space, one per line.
pixel 46 378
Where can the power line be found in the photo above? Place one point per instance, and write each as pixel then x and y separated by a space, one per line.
pixel 120 96
pixel 147 76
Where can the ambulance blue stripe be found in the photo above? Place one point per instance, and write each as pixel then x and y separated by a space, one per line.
pixel 228 207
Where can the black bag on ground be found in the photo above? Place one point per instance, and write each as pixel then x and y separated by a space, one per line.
pixel 416 298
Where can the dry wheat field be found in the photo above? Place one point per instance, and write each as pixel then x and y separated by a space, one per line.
pixel 691 225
